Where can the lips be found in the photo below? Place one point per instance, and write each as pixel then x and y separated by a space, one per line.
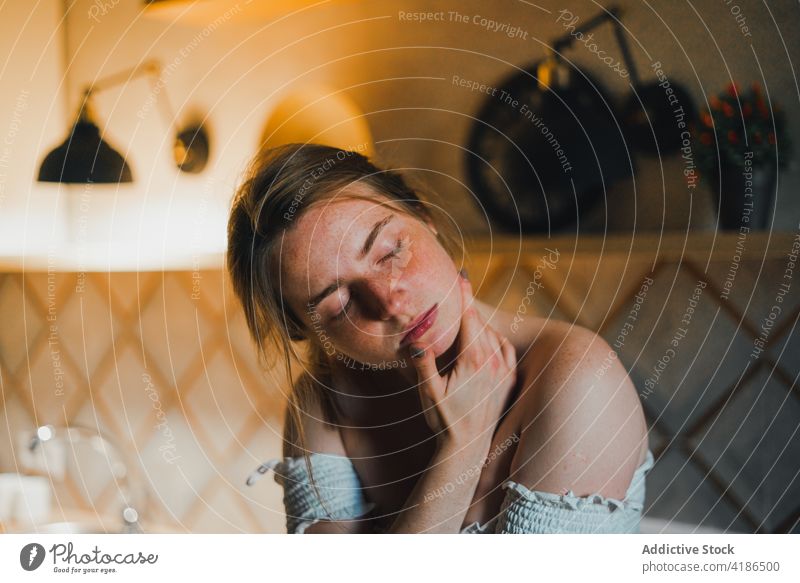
pixel 420 325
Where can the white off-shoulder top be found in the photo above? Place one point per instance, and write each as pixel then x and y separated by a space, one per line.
pixel 340 496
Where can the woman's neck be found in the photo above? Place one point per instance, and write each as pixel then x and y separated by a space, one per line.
pixel 368 393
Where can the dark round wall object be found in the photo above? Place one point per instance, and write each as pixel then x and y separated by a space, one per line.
pixel 537 160
pixel 652 125
pixel 192 149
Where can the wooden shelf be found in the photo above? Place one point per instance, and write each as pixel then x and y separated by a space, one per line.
pixel 669 246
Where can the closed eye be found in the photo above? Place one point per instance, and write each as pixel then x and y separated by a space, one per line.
pixel 394 252
pixel 341 315
pixel 400 244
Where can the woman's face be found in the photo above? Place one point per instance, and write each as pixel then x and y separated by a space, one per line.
pixel 359 273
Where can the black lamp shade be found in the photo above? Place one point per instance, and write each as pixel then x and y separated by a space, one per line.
pixel 83 158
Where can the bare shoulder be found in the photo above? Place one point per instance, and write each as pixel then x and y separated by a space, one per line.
pixel 583 428
pixel 306 426
pixel 555 344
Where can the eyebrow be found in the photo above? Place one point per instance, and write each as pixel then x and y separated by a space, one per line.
pixel 368 243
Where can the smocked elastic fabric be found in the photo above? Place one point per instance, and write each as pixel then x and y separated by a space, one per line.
pixel 534 512
pixel 337 483
pixel 522 511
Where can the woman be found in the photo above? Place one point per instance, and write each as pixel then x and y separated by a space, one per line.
pixel 420 408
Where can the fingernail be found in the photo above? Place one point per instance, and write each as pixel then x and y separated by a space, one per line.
pixel 463 273
pixel 417 352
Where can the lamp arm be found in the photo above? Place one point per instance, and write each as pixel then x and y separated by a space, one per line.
pixel 152 69
pixel 163 101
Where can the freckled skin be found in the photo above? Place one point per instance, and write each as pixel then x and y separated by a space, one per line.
pixel 558 403
pixel 386 295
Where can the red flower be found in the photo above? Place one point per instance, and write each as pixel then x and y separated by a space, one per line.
pixel 733 138
pixel 756 86
pixel 771 138
pixel 757 137
pixel 727 109
pixel 733 89
pixel 747 110
pixel 707 119
pixel 715 102
pixel 705 138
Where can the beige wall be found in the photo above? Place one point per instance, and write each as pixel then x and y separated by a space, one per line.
pixel 723 424
pixel 32 118
pixel 233 70
pixel 236 73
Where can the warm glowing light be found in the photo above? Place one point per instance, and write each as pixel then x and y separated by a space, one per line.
pixel 318 114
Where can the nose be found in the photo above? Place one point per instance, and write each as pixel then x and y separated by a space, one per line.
pixel 385 297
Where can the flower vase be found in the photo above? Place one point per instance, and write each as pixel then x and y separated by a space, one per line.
pixel 737 191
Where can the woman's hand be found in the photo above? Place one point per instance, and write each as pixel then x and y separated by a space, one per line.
pixel 465 405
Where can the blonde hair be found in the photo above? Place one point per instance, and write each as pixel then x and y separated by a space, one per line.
pixel 281 184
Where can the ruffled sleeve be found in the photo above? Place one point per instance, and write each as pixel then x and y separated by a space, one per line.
pixel 338 495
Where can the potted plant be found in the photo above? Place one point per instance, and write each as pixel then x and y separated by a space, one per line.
pixel 742 144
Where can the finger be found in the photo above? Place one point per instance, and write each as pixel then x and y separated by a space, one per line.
pixel 489 352
pixel 430 382
pixel 509 353
pixel 493 339
pixel 489 339
pixel 430 413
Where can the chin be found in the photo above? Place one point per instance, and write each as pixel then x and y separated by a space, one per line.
pixel 446 333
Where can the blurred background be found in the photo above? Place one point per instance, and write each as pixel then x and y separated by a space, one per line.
pixel 650 145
